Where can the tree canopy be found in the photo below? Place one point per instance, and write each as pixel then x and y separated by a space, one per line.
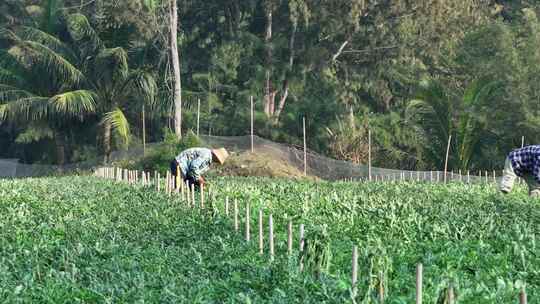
pixel 77 76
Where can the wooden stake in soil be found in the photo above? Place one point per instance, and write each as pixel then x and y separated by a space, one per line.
pixel 419 276
pixel 522 141
pixel 193 195
pixel 227 206
pixel 248 224
pixel 289 238
pixel 261 244
pixel 446 160
pixel 235 215
pixel 450 297
pixel 354 278
pixel 523 296
pixel 271 238
pixel 301 245
pixel 201 190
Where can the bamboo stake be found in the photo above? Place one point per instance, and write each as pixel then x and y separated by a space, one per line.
pixel 235 215
pixel 354 278
pixel 271 238
pixel 143 130
pixel 289 238
pixel 419 275
pixel 523 296
pixel 248 218
pixel 451 294
pixel 198 115
pixel 261 243
pixel 227 206
pixel 193 195
pixel 446 160
pixel 301 245
pixel 201 190
pixel 369 154
pixel 252 129
pixel 305 146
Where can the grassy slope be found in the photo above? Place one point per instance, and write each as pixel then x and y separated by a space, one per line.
pixel 81 239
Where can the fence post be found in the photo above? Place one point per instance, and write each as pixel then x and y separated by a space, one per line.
pixel 419 277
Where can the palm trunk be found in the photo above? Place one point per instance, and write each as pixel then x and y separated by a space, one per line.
pixel 106 141
pixel 176 69
pixel 60 142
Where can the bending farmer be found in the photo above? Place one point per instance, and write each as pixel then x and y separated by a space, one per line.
pixel 194 162
pixel 525 163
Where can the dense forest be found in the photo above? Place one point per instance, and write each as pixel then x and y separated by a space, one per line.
pixel 80 78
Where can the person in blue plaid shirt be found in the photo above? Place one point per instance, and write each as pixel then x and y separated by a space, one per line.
pixel 524 163
pixel 194 162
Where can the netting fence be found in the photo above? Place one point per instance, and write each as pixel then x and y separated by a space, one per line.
pixel 316 164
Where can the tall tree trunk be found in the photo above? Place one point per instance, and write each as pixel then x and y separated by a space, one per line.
pixel 60 142
pixel 107 127
pixel 285 88
pixel 173 11
pixel 268 108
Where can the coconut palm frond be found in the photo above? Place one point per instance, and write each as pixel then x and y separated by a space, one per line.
pixel 36 54
pixel 74 103
pixel 111 66
pixel 27 108
pixel 35 132
pixel 145 85
pixel 46 39
pixel 119 123
pixel 10 93
pixel 82 33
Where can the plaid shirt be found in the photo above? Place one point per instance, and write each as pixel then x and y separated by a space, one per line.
pixel 526 161
pixel 194 162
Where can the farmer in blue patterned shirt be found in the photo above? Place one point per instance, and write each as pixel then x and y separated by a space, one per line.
pixel 524 163
pixel 194 162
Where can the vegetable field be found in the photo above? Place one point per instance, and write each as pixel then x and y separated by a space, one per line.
pixel 85 239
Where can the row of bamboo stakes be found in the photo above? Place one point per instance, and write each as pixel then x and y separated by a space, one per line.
pixel 187 194
pixel 431 176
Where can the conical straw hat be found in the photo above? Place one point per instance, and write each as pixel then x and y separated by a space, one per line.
pixel 221 154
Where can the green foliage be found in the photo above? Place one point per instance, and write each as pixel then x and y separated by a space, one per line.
pixel 482 242
pixel 160 157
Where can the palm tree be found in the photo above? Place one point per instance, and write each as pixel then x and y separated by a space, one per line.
pixel 441 114
pixel 107 74
pixel 40 88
